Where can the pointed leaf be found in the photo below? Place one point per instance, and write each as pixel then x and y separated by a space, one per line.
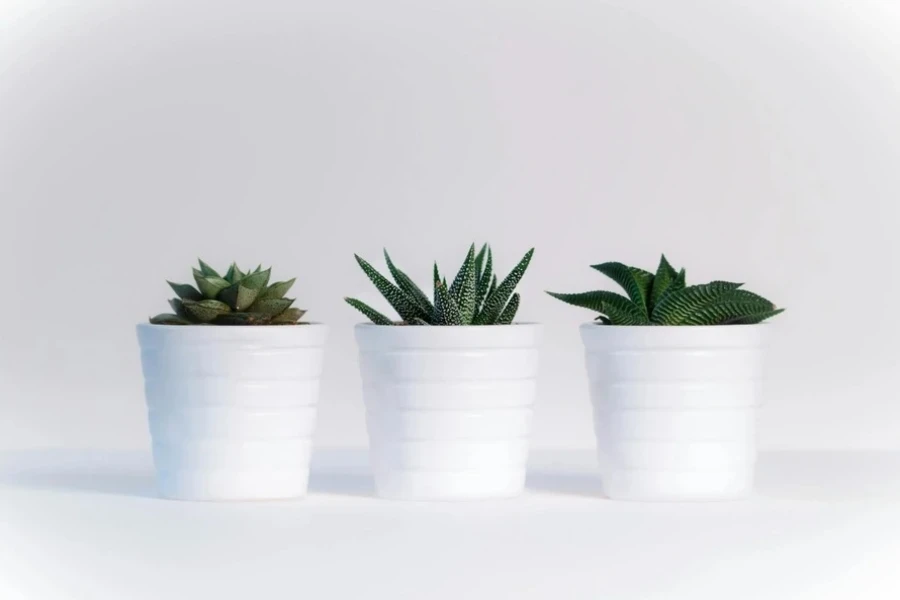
pixel 509 313
pixel 463 288
pixel 291 315
pixel 636 282
pixel 446 308
pixel 276 290
pixel 209 285
pixel 618 309
pixel 726 309
pixel 405 306
pixel 229 275
pixel 479 262
pixel 238 274
pixel 238 296
pixel 242 318
pixel 207 270
pixel 185 291
pixel 407 285
pixel 755 318
pixel 665 274
pixel 371 314
pixel 497 299
pixel 676 306
pixel 271 306
pixel 205 311
pixel 167 319
pixel 484 282
pixel 257 280
pixel 178 306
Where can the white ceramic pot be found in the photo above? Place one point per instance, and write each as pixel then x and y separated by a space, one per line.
pixel 448 409
pixel 231 408
pixel 675 409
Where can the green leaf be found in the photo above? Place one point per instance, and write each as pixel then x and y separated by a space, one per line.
pixel 497 299
pixel 479 262
pixel 405 306
pixel 270 306
pixel 210 285
pixel 485 277
pixel 185 291
pixel 234 274
pixel 291 315
pixel 166 319
pixel 407 285
pixel 722 311
pixel 665 275
pixel 371 314
pixel 509 313
pixel 207 270
pixel 735 305
pixel 257 280
pixel 463 288
pixel 636 282
pixel 617 308
pixel 419 322
pixel 242 318
pixel 677 305
pixel 238 296
pixel 205 311
pixel 276 290
pixel 446 309
pixel 178 306
pixel 755 318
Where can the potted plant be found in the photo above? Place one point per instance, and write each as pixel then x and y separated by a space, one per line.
pixel 674 371
pixel 231 379
pixel 449 387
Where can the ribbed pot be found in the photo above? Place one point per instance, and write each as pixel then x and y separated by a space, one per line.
pixel 232 409
pixel 675 409
pixel 448 409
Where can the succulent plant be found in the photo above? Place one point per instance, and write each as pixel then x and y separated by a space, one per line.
pixel 237 298
pixel 473 298
pixel 664 298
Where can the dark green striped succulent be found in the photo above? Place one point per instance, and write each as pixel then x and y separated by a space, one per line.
pixel 237 298
pixel 473 298
pixel 663 298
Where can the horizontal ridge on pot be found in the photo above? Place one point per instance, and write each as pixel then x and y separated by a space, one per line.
pixel 448 409
pixel 675 409
pixel 232 410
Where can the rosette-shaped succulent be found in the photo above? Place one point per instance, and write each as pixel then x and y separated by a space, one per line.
pixel 237 298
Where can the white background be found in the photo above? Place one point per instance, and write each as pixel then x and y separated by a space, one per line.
pixel 749 140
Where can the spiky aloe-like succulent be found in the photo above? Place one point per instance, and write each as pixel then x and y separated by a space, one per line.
pixel 237 298
pixel 473 298
pixel 663 298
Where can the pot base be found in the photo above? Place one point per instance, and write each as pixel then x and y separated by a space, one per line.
pixel 222 486
pixel 675 486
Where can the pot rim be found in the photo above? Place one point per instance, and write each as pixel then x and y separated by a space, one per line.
pixel 207 327
pixel 592 324
pixel 445 327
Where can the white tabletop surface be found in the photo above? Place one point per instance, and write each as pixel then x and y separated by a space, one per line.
pixel 86 525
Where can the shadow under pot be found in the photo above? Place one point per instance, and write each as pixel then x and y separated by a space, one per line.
pixel 448 408
pixel 231 409
pixel 675 409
